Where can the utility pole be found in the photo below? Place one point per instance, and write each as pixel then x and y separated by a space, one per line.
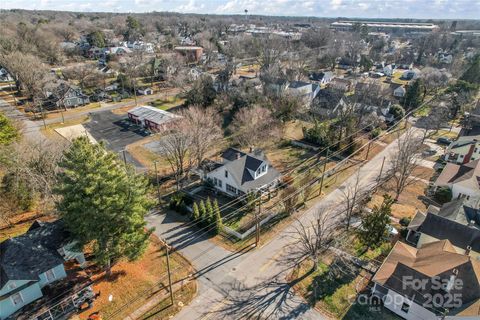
pixel 167 249
pixel 156 178
pixel 381 171
pixel 368 150
pixel 323 173
pixel 124 158
pixel 257 223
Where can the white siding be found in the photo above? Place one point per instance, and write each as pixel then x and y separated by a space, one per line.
pixel 394 301
pixel 220 175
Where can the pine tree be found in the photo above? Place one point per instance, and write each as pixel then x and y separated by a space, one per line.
pixel 413 96
pixel 218 218
pixel 203 212
pixel 374 225
pixel 210 214
pixel 196 212
pixel 103 203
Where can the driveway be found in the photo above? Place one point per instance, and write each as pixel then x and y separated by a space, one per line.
pixel 116 131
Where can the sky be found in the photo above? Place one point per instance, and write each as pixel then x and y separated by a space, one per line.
pixel 421 9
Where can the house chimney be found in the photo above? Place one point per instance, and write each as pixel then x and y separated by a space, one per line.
pixel 451 282
pixel 467 251
pixel 471 223
pixel 252 148
pixel 238 155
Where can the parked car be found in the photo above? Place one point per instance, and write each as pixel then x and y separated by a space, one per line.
pixel 444 140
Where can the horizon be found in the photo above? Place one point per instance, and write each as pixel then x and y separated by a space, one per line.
pixel 331 9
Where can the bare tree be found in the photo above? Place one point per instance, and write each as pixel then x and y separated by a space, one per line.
pixel 313 238
pixel 204 129
pixel 255 126
pixel 404 162
pixel 434 79
pixel 353 195
pixel 175 144
pixel 82 73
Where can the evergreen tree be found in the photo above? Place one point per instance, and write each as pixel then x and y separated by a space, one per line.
pixel 374 225
pixel 103 203
pixel 203 212
pixel 472 74
pixel 196 212
pixel 413 96
pixel 210 214
pixel 8 132
pixel 218 218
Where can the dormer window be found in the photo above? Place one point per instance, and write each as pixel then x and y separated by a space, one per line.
pixel 226 174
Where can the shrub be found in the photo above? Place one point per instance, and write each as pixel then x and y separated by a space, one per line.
pixel 405 221
pixel 443 195
pixel 375 133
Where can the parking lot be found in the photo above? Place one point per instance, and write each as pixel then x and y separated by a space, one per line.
pixel 116 131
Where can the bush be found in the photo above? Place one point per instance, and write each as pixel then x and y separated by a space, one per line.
pixel 405 221
pixel 443 195
pixel 375 133
pixel 180 202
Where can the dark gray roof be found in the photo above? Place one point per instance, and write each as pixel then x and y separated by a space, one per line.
pixel 298 84
pixel 26 256
pixel 328 98
pixel 238 163
pixel 460 235
pixel 462 211
pixel 469 291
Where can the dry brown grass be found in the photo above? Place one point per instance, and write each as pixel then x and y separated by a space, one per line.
pixel 130 279
pixel 20 223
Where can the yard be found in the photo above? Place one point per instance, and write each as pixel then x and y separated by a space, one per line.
pixel 133 284
pixel 332 289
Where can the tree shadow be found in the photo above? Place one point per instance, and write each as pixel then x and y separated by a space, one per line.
pixel 272 298
pixel 329 279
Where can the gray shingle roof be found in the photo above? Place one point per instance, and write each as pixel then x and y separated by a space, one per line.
pixel 238 164
pixel 27 256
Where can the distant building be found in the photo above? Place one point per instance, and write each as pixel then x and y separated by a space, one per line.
pixel 463 150
pixel 190 53
pixel 152 118
pixel 379 26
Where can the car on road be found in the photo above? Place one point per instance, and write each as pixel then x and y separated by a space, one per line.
pixel 444 140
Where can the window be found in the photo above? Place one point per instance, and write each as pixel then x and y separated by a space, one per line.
pixel 405 307
pixel 226 174
pixel 231 189
pixel 50 275
pixel 476 150
pixel 215 181
pixel 264 168
pixel 219 183
pixel 17 299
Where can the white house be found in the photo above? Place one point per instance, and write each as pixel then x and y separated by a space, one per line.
pixel 463 150
pixel 145 91
pixel 304 90
pixel 321 77
pixel 410 281
pixel 462 179
pixel 398 90
pixel 240 173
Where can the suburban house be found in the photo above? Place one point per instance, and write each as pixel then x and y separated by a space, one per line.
pixel 329 103
pixel 118 51
pixel 398 90
pixel 152 118
pixel 462 179
pixel 463 150
pixel 145 91
pixel 240 172
pixel 68 96
pixel 341 84
pixel 458 221
pixel 410 74
pixel 4 75
pixel 32 261
pixel 304 90
pixel 321 77
pixel 410 281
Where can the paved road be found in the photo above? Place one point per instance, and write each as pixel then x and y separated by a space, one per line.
pixel 30 129
pixel 252 283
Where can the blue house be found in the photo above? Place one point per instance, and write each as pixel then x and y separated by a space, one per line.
pixel 31 262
